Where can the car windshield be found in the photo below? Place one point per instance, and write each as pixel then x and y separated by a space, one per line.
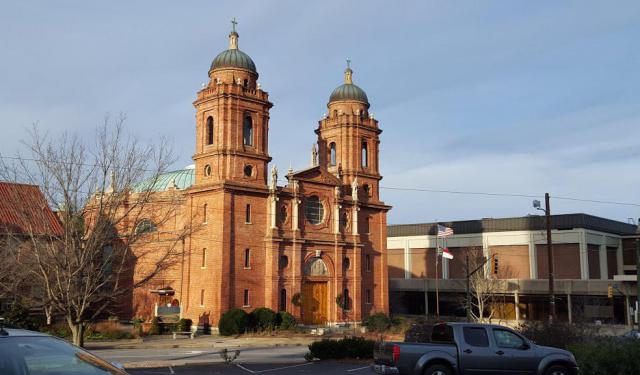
pixel 49 356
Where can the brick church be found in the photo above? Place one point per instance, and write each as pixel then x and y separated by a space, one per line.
pixel 315 247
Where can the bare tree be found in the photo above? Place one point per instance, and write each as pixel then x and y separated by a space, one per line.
pixel 116 231
pixel 485 288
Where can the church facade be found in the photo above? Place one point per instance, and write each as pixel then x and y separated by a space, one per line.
pixel 315 247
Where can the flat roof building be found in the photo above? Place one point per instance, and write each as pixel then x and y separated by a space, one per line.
pixel 590 255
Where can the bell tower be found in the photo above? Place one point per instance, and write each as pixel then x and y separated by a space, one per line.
pixel 232 121
pixel 348 137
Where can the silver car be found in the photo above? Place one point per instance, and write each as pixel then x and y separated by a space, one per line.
pixel 33 353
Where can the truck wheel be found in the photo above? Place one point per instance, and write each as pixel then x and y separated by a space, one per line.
pixel 557 370
pixel 437 370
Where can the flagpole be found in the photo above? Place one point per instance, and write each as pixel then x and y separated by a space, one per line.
pixel 437 291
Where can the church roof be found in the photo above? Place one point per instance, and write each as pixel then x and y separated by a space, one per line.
pixel 24 210
pixel 182 179
pixel 233 58
pixel 348 91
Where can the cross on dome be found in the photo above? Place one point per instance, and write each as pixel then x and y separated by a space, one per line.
pixel 233 24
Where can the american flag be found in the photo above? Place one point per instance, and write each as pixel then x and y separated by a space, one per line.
pixel 444 231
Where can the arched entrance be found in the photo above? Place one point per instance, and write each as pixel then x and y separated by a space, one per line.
pixel 315 298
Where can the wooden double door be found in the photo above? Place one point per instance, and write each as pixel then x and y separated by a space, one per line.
pixel 314 302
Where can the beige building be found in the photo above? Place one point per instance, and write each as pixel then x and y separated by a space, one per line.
pixel 590 255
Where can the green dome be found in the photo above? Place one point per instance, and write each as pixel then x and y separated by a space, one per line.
pixel 349 91
pixel 234 58
pixel 181 179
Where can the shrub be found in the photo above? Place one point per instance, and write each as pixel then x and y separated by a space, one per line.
pixel 286 321
pixel 400 324
pixel 378 322
pixel 263 318
pixel 184 325
pixel 59 330
pixel 155 326
pixel 608 356
pixel 558 334
pixel 18 316
pixel 233 322
pixel 110 335
pixel 348 347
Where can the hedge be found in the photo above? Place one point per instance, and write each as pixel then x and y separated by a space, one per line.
pixel 263 319
pixel 348 347
pixel 608 356
pixel 233 322
pixel 286 321
pixel 378 322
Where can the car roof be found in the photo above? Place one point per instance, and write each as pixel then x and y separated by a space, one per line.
pixel 473 324
pixel 12 332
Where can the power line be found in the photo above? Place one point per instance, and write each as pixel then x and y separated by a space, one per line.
pixel 397 188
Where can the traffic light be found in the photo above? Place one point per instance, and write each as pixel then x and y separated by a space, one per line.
pixel 494 266
pixel 610 292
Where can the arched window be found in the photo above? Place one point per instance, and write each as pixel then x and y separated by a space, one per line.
pixel 332 153
pixel 209 130
pixel 204 214
pixel 283 300
pixel 247 258
pixel 365 156
pixel 246 83
pixel 247 131
pixel 316 267
pixel 313 210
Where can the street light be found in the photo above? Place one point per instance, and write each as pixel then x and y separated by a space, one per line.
pixel 547 211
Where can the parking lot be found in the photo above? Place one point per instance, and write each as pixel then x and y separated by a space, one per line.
pixel 307 368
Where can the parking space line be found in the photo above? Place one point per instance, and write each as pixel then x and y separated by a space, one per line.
pixel 272 369
pixel 171 370
pixel 245 369
pixel 358 369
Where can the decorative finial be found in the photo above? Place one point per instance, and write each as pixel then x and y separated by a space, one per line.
pixel 233 37
pixel 290 171
pixel 348 73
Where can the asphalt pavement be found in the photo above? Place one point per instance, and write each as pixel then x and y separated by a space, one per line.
pixel 306 368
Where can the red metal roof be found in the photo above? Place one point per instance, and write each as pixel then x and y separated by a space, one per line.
pixel 24 210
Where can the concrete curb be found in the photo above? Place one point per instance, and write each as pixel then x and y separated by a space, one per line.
pixel 201 344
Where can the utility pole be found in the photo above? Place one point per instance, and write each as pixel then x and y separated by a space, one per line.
pixel 638 272
pixel 552 297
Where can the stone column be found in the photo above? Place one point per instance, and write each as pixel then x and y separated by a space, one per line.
pixel 602 253
pixel 407 260
pixel 584 256
pixel 619 259
pixel 533 258
pixel 569 308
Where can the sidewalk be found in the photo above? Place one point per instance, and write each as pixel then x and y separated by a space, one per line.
pixel 204 341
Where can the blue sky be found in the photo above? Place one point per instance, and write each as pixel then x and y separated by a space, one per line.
pixel 488 96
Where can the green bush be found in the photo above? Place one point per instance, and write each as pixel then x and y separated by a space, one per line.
pixel 348 347
pixel 155 329
pixel 58 330
pixel 110 335
pixel 18 316
pixel 184 325
pixel 233 322
pixel 378 322
pixel 263 319
pixel 608 356
pixel 286 321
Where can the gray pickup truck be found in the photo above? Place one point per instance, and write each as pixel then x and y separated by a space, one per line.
pixel 466 348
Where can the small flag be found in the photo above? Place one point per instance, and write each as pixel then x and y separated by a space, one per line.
pixel 446 254
pixel 444 231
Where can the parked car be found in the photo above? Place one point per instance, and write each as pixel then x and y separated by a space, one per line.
pixel 32 353
pixel 633 334
pixel 465 348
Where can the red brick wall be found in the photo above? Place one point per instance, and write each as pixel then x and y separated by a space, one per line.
pixel 513 261
pixel 395 263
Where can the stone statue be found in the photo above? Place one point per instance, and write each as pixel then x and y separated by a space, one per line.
pixel 296 186
pixel 314 155
pixel 354 188
pixel 274 178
